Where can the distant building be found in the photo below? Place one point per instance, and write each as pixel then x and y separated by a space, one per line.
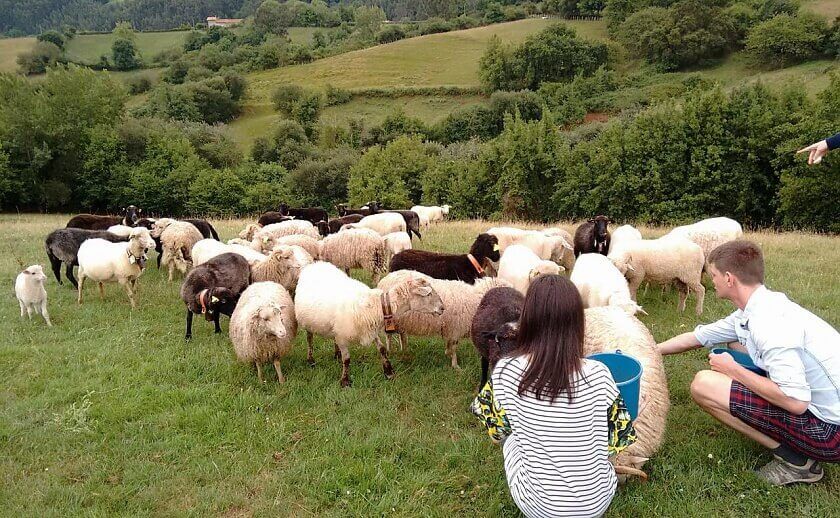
pixel 212 21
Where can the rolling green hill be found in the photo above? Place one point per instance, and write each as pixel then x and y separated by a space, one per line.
pixel 87 48
pixel 9 50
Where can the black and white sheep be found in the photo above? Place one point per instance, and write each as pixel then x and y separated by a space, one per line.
pixel 454 267
pixel 213 288
pixel 62 246
pixel 593 237
pixel 94 222
pixel 310 214
pixel 335 224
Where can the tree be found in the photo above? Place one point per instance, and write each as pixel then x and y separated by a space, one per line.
pixel 785 40
pixel 53 37
pixel 494 13
pixel 37 60
pixel 368 21
pixel 124 54
pixel 270 17
pixel 494 67
pixel 124 31
pixel 391 174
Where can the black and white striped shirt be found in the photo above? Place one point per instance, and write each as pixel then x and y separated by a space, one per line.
pixel 556 455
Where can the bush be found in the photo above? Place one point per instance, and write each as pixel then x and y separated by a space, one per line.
pixel 288 145
pixel 434 26
pixel 53 37
pixel 322 182
pixel 390 34
pixel 334 95
pixel 391 174
pixel 124 55
pixel 36 61
pixel 285 97
pixel 785 40
pixel 138 84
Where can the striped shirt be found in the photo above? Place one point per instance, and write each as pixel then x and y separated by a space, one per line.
pixel 556 455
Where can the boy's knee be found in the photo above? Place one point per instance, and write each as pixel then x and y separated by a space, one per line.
pixel 702 385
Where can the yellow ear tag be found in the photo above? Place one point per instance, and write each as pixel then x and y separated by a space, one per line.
pixel 495 248
pixel 214 299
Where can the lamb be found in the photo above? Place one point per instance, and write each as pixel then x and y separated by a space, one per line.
pixel 383 223
pixel 62 246
pixel 312 246
pixel 460 300
pixel 396 242
pixel 267 218
pixel 283 266
pixel 431 214
pixel 593 236
pixel 709 233
pixel 489 328
pixel 94 222
pixel 263 326
pixel 177 239
pixel 520 265
pixel 213 288
pixel 266 236
pixel 120 230
pixel 331 304
pixel 204 226
pixel 207 249
pixel 248 232
pixel 620 236
pixel 356 248
pixel 31 294
pixel 453 267
pixel 310 214
pixel 104 261
pixel 663 261
pixel 553 247
pixel 601 284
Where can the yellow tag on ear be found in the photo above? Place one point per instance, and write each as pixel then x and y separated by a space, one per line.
pixel 214 299
pixel 495 248
pixel 266 239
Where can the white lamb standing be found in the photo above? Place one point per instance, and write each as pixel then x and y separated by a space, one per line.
pixel 666 260
pixel 709 233
pixel 383 223
pixel 331 304
pixel 177 240
pixel 551 244
pixel 263 326
pixel 519 265
pixel 31 294
pixel 396 242
pixel 207 249
pixel 622 235
pixel 103 261
pixel 600 283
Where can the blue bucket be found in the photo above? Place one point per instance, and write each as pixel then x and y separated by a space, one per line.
pixel 742 358
pixel 627 373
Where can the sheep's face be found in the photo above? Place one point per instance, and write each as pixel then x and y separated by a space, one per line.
pixel 623 263
pixel 560 248
pixel 248 232
pixel 544 268
pixel 626 304
pixel 141 236
pixel 486 245
pixel 283 209
pixel 423 298
pixel 271 319
pixel 36 273
pixel 219 300
pixel 160 225
pixel 501 341
pixel 132 214
pixel 323 228
pixel 601 223
pixel 341 209
pixel 445 209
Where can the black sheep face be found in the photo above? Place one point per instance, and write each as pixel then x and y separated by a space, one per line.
pixel 283 209
pixel 486 245
pixel 219 300
pixel 341 209
pixel 323 228
pixel 501 341
pixel 132 214
pixel 601 223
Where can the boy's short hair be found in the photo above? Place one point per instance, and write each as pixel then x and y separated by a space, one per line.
pixel 740 257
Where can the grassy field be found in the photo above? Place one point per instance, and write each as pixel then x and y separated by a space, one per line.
pixel 87 48
pixel 10 48
pixel 111 412
pixel 828 8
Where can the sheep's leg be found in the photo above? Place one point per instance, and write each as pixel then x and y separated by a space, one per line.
pixel 101 291
pixel 345 366
pixel 45 313
pixel 387 369
pixel 309 359
pixel 485 368
pixel 699 292
pixel 22 308
pixel 189 325
pixel 683 291
pixel 280 377
pixel 403 341
pixel 171 267
pixel 29 311
pixel 56 268
pixel 80 285
pixel 68 271
pixel 336 352
pixel 216 318
pixel 127 286
pixel 452 352
pixel 159 258
pixel 634 288
pixel 259 372
pixel 388 342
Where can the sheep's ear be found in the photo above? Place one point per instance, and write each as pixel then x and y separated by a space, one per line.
pixel 561 268
pixel 424 291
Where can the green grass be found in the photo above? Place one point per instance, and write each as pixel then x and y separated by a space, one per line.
pixel 10 48
pixel 110 412
pixel 828 8
pixel 87 48
pixel 303 35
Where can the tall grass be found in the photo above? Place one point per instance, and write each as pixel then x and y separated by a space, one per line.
pixel 111 412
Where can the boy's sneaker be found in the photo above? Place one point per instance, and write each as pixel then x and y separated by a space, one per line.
pixel 779 472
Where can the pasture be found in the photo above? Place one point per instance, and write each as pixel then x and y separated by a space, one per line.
pixel 88 47
pixel 111 412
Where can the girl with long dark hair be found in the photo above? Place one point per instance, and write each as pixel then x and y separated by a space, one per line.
pixel 558 414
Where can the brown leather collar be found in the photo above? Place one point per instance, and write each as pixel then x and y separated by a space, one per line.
pixel 390 324
pixel 475 264
pixel 202 299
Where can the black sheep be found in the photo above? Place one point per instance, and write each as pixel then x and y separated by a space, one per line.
pixel 344 211
pixel 272 217
pixel 213 288
pixel 204 226
pixel 310 214
pixel 593 237
pixel 336 224
pixel 94 222
pixel 452 267
pixel 412 220
pixel 488 330
pixel 62 246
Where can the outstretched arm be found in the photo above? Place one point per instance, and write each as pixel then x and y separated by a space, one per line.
pixel 818 150
pixel 679 343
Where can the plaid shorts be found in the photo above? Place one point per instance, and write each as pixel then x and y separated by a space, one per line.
pixel 805 434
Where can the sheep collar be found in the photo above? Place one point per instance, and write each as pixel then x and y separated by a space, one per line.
pixel 475 264
pixel 387 313
pixel 138 260
pixel 202 299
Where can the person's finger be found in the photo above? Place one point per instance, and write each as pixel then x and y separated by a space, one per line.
pixel 811 156
pixel 804 149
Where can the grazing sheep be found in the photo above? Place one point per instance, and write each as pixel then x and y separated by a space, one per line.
pixel 423 214
pixel 519 265
pixel 312 246
pixel 263 326
pixel 149 223
pixel 709 233
pixel 460 300
pixel 336 224
pixel 412 220
pixel 593 236
pixel 331 304
pixel 283 266
pixel 343 211
pixel 177 239
pixel 31 294
pixel 498 307
pixel 94 222
pixel 356 248
pixel 609 329
pixel 213 288
pixel 204 226
pixel 601 284
pixel 431 213
pixel 396 242
pixel 550 247
pixel 383 223
pixel 454 267
pixel 270 217
pixel 207 249
pixel 104 261
pixel 663 261
pixel 310 214
pixel 620 236
pixel 62 246
pixel 267 236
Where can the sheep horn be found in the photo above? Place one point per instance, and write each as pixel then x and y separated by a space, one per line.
pixel 627 470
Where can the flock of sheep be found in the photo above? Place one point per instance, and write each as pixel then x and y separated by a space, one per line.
pixel 291 270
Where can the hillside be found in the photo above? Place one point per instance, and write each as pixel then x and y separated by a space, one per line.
pixel 88 47
pixel 10 48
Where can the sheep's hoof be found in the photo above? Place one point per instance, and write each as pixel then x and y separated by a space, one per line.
pixel 388 370
pixel 311 362
pixel 345 383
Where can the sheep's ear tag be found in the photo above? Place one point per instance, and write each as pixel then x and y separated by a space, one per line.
pixel 214 299
pixel 142 261
pixel 131 259
pixel 495 248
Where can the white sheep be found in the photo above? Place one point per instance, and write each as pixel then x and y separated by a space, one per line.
pixel 621 235
pixel 31 294
pixel 239 241
pixel 207 249
pixel 248 232
pixel 601 284
pixel 265 237
pixel 308 243
pixel 331 304
pixel 282 265
pixel 383 223
pixel 263 326
pixel 460 301
pixel 430 214
pixel 519 265
pixel 665 260
pixel 356 248
pixel 177 238
pixel 396 242
pixel 103 261
pixel 552 244
pixel 709 233
pixel 120 230
pixel 609 329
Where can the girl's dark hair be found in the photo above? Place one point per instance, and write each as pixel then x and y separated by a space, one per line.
pixel 551 334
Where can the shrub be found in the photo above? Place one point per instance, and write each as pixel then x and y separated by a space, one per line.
pixel 53 37
pixel 391 174
pixel 36 61
pixel 285 97
pixel 322 182
pixel 138 84
pixel 335 95
pixel 434 26
pixel 390 34
pixel 288 145
pixel 784 40
pixel 124 55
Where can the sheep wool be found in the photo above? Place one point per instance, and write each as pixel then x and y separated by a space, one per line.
pixel 383 223
pixel 600 283
pixel 308 243
pixel 396 242
pixel 31 294
pixel 207 249
pixel 177 239
pixel 519 265
pixel 356 248
pixel 709 233
pixel 103 261
pixel 283 266
pixel 263 326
